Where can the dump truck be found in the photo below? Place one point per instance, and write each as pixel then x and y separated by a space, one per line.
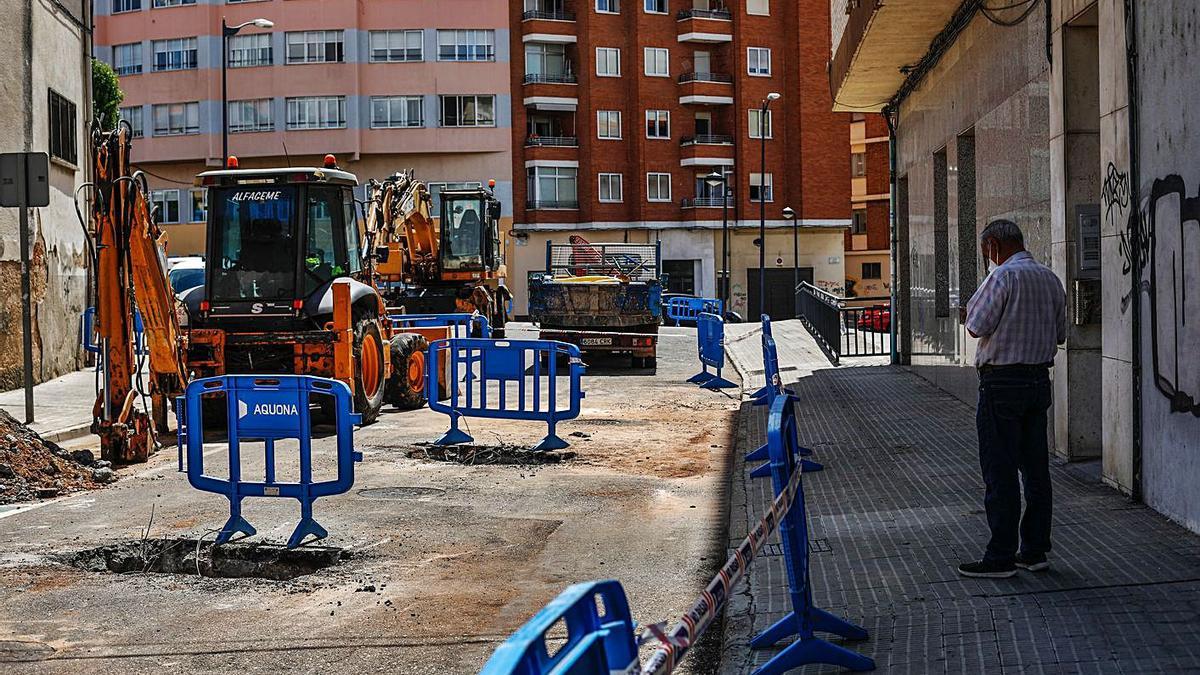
pixel 604 298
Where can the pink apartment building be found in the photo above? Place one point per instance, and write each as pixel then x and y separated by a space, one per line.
pixel 383 85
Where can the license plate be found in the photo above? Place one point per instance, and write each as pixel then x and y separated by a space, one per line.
pixel 596 341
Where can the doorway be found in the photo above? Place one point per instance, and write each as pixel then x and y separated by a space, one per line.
pixel 780 301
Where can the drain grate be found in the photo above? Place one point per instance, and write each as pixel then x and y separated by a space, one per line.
pixel 179 556
pixel 401 492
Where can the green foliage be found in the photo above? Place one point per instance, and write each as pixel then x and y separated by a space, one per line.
pixel 106 94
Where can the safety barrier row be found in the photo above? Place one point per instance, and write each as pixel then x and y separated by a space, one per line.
pixel 766 396
pixel 463 325
pixel 689 308
pixel 505 379
pixel 710 344
pixel 268 409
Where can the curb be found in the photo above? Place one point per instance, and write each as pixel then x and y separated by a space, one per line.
pixel 68 433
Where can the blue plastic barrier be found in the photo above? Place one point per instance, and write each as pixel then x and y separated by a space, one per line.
pixel 88 333
pixel 774 390
pixel 804 619
pixel 688 308
pixel 710 343
pixel 464 325
pixel 270 408
pixel 597 643
pixel 479 374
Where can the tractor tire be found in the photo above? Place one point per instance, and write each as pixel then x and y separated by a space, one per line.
pixel 368 368
pixel 406 388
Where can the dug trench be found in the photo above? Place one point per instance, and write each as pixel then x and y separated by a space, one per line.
pixel 235 560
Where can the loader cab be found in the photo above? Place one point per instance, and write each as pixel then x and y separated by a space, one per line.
pixel 470 234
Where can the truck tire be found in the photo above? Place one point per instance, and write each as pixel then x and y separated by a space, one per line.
pixel 406 388
pixel 368 368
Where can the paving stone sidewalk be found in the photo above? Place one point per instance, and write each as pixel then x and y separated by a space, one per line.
pixel 899 505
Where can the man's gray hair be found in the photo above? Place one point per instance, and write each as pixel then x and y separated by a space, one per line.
pixel 1003 231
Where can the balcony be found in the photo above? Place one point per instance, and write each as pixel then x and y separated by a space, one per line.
pixel 705 202
pixel 705 26
pixel 706 139
pixel 706 150
pixel 552 142
pixel 706 89
pixel 547 15
pixel 549 78
pixel 545 204
pixel 720 78
pixel 718 14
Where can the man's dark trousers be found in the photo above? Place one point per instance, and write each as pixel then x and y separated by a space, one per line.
pixel 1011 419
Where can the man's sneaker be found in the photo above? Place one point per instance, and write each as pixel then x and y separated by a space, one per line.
pixel 986 569
pixel 1034 562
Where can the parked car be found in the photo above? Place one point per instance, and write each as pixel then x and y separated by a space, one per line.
pixel 186 273
pixel 875 319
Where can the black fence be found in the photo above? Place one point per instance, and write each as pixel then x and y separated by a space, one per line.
pixel 845 327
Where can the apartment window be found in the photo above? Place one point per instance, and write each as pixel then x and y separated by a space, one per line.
pixel 173 3
pixel 468 111
pixel 608 6
pixel 166 205
pixel 656 62
pixel 546 59
pixel 756 125
pixel 247 51
pixel 760 7
pixel 466 45
pixel 858 164
pixel 552 186
pixel 658 124
pixel 656 6
pixel 174 54
pixel 62 128
pixel 762 190
pixel 251 115
pixel 316 112
pixel 608 123
pixel 658 187
pixel 316 46
pixel 608 62
pixel 199 206
pixel 435 193
pixel 859 222
pixel 133 115
pixel 127 59
pixel 395 46
pixel 758 61
pixel 610 188
pixel 397 112
pixel 119 6
pixel 176 119
pixel 872 270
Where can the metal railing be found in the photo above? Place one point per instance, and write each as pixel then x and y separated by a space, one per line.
pixel 552 204
pixel 548 15
pixel 721 78
pixel 707 139
pixel 703 202
pixel 550 78
pixel 552 141
pixel 842 330
pixel 723 14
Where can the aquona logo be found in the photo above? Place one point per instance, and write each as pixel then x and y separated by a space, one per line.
pixel 272 409
pixel 257 196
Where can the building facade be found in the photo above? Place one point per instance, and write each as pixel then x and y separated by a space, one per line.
pixel 46 107
pixel 384 86
pixel 868 241
pixel 622 108
pixel 1078 120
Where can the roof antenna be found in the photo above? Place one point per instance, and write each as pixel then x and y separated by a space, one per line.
pixel 286 156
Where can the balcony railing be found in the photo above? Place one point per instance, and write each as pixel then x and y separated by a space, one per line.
pixel 707 139
pixel 552 141
pixel 722 14
pixel 550 78
pixel 705 77
pixel 704 202
pixel 552 204
pixel 548 15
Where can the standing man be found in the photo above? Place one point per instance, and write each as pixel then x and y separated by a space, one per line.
pixel 1019 316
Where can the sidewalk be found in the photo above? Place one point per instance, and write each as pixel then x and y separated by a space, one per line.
pixel 899 505
pixel 62 407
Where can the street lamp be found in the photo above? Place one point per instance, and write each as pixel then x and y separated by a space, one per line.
pixel 228 31
pixel 790 215
pixel 762 203
pixel 718 178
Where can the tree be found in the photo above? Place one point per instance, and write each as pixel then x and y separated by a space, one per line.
pixel 106 94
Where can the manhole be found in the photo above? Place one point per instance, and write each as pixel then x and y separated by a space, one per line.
pixel 489 454
pixel 401 492
pixel 23 650
pixel 181 556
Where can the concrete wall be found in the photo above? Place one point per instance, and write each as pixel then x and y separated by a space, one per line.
pixel 58 60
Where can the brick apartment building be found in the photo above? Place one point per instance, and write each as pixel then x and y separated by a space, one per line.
pixel 868 245
pixel 384 86
pixel 622 107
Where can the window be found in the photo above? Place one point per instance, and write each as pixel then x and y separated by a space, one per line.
pixel 316 112
pixel 859 222
pixel 247 51
pixel 608 62
pixel 608 123
pixel 397 112
pixel 174 54
pixel 872 270
pixel 761 190
pixel 756 126
pixel 173 3
pixel 656 6
pixel 252 115
pixel 658 187
pixel 316 46
pixel 199 205
pixel 466 45
pixel 435 192
pixel 546 61
pixel 127 59
pixel 760 7
pixel 468 111
pixel 176 119
pixel 656 62
pixel 166 205
pixel 610 187
pixel 758 61
pixel 608 6
pixel 552 187
pixel 858 164
pixel 126 6
pixel 395 46
pixel 133 115
pixel 658 124
pixel 62 128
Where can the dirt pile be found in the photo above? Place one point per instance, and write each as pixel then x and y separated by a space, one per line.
pixel 34 468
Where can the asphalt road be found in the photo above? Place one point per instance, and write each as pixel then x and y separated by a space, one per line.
pixel 448 559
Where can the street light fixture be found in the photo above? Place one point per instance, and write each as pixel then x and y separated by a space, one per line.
pixel 762 203
pixel 790 215
pixel 719 178
pixel 227 32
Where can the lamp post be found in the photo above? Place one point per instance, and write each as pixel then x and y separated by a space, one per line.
pixel 228 31
pixel 719 178
pixel 790 215
pixel 762 203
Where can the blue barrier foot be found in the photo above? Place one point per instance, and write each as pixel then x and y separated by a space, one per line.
pixel 809 466
pixel 804 452
pixel 306 527
pixel 759 454
pixel 828 623
pixel 718 383
pixel 550 442
pixel 234 525
pixel 453 437
pixel 815 650
pixel 701 377
pixel 761 471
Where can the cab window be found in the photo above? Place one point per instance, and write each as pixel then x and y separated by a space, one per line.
pixel 353 248
pixel 253 233
pixel 463 234
pixel 325 256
